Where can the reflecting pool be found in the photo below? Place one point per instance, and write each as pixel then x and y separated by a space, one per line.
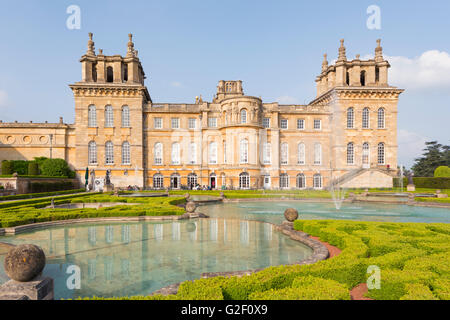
pixel 140 258
pixel 269 211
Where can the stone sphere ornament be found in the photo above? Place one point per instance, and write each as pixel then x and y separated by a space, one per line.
pixel 187 196
pixel 191 206
pixel 291 214
pixel 24 262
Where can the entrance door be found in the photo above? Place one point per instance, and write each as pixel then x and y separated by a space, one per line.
pixel 175 182
pixel 212 182
pixel 366 156
pixel 267 183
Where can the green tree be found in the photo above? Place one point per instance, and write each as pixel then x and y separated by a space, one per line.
pixel 7 167
pixel 33 169
pixel 56 168
pixel 433 157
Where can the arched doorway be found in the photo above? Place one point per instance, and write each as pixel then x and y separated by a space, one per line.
pixel 213 180
pixel 244 181
pixel 175 181
pixel 192 180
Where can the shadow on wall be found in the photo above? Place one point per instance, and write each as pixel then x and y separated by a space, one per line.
pixel 8 152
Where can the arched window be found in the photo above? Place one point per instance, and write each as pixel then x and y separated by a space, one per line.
pixel 244 151
pixel 363 78
pixel 347 78
pixel 244 180
pixel 125 72
pixel 381 120
pixel 284 181
pixel 125 116
pixel 176 153
pixel 92 152
pixel 301 181
pixel 350 154
pixel 92 116
pixel 213 153
pixel 366 118
pixel 366 155
pixel 317 154
pixel 109 153
pixel 284 153
pixel 243 116
pixel 94 72
pixel 377 74
pixel 317 180
pixel 381 154
pixel 350 118
pixel 109 74
pixel 158 153
pixel 158 181
pixel 109 117
pixel 267 157
pixel 193 153
pixel 126 153
pixel 301 153
pixel 192 180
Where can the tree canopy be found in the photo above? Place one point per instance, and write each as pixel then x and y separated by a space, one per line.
pixel 435 155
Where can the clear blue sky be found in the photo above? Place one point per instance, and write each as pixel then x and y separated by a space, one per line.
pixel 275 47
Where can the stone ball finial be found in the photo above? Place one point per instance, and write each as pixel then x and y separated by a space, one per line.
pixel 190 207
pixel 24 262
pixel 291 214
pixel 187 196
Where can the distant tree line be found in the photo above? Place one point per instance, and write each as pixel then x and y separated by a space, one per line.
pixel 435 161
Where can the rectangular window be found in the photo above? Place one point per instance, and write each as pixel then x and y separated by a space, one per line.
pixel 175 123
pixel 266 123
pixel 212 122
pixel 192 123
pixel 224 152
pixel 283 124
pixel 158 123
pixel 317 124
pixel 301 124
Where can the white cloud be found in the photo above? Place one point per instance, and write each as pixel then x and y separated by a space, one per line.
pixel 286 100
pixel 410 146
pixel 429 70
pixel 3 98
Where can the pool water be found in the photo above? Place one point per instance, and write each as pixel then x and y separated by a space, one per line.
pixel 140 258
pixel 272 212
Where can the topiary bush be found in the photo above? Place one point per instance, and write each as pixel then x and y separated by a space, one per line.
pixel 7 167
pixel 442 172
pixel 33 169
pixel 56 168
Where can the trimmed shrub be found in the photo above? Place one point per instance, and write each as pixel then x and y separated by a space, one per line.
pixel 56 168
pixel 50 186
pixel 7 167
pixel 442 172
pixel 33 169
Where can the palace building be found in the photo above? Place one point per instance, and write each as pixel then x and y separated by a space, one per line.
pixel 346 135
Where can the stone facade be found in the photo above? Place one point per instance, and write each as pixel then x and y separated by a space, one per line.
pixel 235 141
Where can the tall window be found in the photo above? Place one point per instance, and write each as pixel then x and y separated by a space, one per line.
pixel 350 154
pixel 381 120
pixel 213 153
pixel 126 153
pixel 175 123
pixel 109 117
pixel 244 151
pixel 317 154
pixel 157 123
pixel 317 181
pixel 363 78
pixel 192 123
pixel 192 180
pixel 158 181
pixel 366 155
pixel 301 124
pixel 381 154
pixel 266 123
pixel 176 153
pixel 224 152
pixel 301 181
pixel 109 74
pixel 366 118
pixel 284 181
pixel 92 116
pixel 283 123
pixel 301 153
pixel 158 153
pixel 267 159
pixel 244 180
pixel 243 116
pixel 109 153
pixel 317 124
pixel 193 153
pixel 350 118
pixel 92 152
pixel 125 117
pixel 284 153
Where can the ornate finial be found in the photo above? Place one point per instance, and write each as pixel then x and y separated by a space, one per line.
pixel 342 56
pixel 324 63
pixel 90 47
pixel 100 51
pixel 130 52
pixel 378 51
pixel 358 56
pixel 200 99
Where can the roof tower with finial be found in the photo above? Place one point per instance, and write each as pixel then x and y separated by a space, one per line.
pixel 90 47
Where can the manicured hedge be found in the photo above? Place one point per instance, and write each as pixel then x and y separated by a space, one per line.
pixel 37 187
pixel 39 195
pixel 426 183
pixel 442 172
pixel 33 169
pixel 7 167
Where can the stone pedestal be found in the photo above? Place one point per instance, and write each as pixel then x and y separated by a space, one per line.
pixel 40 288
pixel 108 188
pixel 442 195
pixel 411 188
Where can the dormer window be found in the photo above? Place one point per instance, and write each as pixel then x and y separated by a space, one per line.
pixel 109 74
